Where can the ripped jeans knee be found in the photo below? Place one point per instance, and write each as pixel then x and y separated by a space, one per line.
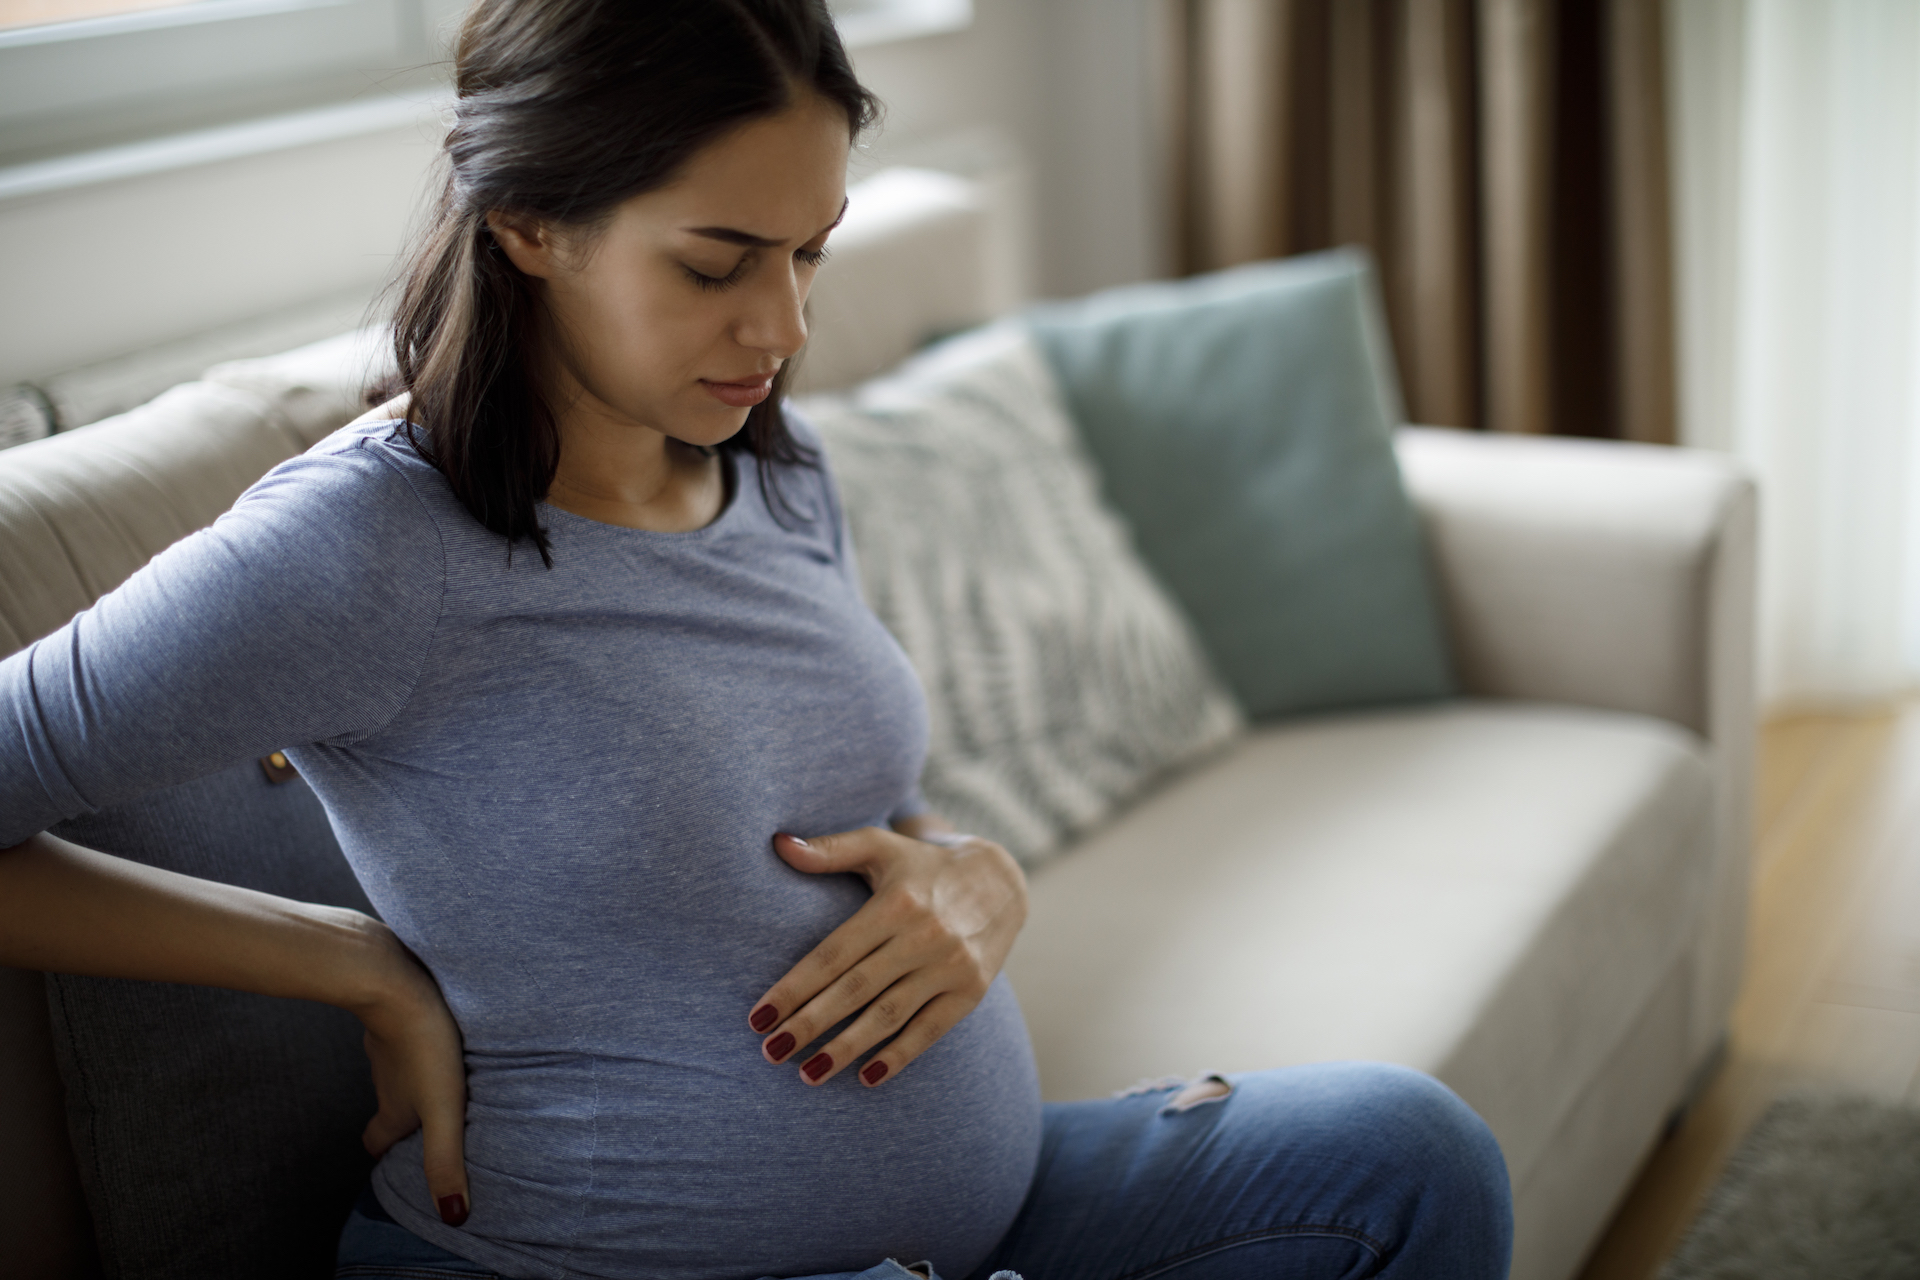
pixel 1208 1086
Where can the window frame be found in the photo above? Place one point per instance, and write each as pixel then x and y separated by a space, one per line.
pixel 103 97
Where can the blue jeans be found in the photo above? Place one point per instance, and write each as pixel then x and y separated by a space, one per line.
pixel 1333 1171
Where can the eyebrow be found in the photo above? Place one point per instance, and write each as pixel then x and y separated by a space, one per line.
pixel 728 235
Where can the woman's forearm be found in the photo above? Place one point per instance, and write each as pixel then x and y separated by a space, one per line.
pixel 72 910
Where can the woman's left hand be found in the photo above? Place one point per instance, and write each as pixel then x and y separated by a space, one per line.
pixel 913 961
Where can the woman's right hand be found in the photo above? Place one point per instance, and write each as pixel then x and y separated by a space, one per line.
pixel 69 909
pixel 419 1074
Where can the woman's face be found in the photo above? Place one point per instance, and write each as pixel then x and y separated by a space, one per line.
pixel 678 312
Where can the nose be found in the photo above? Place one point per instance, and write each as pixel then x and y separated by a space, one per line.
pixel 775 318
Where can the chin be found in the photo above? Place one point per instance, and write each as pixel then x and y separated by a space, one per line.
pixel 709 429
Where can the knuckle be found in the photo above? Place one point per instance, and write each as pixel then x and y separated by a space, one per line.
pixel 929 933
pixel 855 983
pixel 914 900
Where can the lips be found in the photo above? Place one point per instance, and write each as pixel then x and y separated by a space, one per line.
pixel 743 394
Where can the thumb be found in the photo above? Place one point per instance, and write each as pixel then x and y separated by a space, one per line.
pixel 853 851
pixel 444 1144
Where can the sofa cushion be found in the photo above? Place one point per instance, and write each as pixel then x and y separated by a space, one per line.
pixel 1242 422
pixel 217 1132
pixel 1491 892
pixel 914 256
pixel 313 391
pixel 1060 677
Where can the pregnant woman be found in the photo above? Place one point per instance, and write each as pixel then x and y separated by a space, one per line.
pixel 675 976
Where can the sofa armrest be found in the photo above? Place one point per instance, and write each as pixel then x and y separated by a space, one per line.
pixel 1608 575
pixel 1588 572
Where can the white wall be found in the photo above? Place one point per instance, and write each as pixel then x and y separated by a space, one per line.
pixel 1065 86
pixel 1054 93
pixel 106 269
pixel 1706 50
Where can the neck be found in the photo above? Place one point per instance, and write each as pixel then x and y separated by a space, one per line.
pixel 618 471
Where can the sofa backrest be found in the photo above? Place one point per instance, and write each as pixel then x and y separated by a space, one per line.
pixel 79 512
pixel 912 261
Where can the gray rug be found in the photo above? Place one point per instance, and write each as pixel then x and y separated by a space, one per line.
pixel 1823 1188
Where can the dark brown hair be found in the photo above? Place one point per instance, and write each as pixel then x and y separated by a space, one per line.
pixel 565 109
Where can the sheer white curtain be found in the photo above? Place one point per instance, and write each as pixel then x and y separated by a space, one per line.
pixel 1797 185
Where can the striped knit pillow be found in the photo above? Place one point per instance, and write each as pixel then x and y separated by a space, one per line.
pixel 1060 676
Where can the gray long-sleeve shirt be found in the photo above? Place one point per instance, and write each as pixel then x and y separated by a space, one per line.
pixel 559 786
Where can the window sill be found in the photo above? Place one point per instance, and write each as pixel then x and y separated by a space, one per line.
pixel 210 146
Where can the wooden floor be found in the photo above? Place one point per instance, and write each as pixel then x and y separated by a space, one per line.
pixel 1832 994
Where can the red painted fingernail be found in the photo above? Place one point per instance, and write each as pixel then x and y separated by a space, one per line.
pixel 874 1072
pixel 764 1017
pixel 453 1209
pixel 780 1046
pixel 818 1065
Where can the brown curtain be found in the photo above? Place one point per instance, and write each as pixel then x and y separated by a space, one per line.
pixel 1503 160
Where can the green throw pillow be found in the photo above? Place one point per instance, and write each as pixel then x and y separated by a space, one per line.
pixel 1243 423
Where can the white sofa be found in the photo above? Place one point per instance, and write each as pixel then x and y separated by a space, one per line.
pixel 1536 892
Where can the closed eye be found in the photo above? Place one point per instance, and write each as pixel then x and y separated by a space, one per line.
pixel 715 284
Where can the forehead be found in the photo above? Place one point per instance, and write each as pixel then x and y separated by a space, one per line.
pixel 781 177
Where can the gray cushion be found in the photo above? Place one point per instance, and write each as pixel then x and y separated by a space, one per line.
pixel 217 1132
pixel 1243 424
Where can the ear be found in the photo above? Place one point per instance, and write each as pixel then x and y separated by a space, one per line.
pixel 529 243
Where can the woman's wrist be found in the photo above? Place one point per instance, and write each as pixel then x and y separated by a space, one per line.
pixel 375 977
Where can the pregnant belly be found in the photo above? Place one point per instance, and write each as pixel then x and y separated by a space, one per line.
pixel 713 1165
